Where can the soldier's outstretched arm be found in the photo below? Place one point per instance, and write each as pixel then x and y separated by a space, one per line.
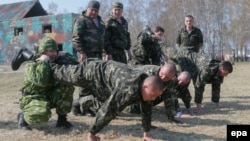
pixel 69 74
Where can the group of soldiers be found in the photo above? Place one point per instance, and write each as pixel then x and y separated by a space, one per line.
pixel 111 77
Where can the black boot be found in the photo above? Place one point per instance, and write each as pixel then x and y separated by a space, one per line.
pixel 62 122
pixel 22 124
pixel 89 113
pixel 23 54
pixel 76 108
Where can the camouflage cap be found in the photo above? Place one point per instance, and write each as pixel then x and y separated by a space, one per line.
pixel 94 4
pixel 47 44
pixel 117 5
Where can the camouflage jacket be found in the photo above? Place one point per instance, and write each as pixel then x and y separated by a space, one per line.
pixel 208 75
pixel 192 41
pixel 37 75
pixel 116 35
pixel 87 37
pixel 147 50
pixel 114 84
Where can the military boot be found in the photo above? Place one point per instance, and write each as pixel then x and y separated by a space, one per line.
pixel 76 108
pixel 62 122
pixel 22 124
pixel 23 54
pixel 89 112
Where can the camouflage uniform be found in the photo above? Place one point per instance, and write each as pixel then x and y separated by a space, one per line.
pixel 89 39
pixel 115 84
pixel 192 42
pixel 167 95
pixel 147 50
pixel 40 93
pixel 208 74
pixel 172 90
pixel 189 44
pixel 117 38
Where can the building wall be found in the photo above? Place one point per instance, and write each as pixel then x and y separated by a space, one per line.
pixel 31 30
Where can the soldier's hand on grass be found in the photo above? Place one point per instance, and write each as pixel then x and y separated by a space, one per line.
pixel 93 137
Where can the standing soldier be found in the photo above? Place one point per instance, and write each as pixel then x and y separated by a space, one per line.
pixel 189 39
pixel 88 40
pixel 117 37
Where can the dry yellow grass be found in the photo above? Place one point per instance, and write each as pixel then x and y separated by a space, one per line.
pixel 210 126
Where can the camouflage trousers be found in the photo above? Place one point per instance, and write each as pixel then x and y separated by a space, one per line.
pixel 119 55
pixel 95 55
pixel 215 93
pixel 37 108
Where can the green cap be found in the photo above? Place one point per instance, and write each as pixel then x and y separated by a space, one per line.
pixel 47 44
pixel 117 5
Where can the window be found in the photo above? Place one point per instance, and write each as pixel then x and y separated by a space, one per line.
pixel 18 31
pixel 47 28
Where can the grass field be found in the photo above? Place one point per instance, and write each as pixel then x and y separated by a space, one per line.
pixel 209 126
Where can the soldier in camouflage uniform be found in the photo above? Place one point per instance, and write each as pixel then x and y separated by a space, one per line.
pixel 147 49
pixel 189 39
pixel 117 37
pixel 212 73
pixel 116 85
pixel 88 40
pixel 40 93
pixel 173 88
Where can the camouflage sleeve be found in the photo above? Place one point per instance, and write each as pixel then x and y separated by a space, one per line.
pixel 145 38
pixel 168 100
pixel 70 74
pixel 107 37
pixel 216 92
pixel 201 80
pixel 77 35
pixel 109 110
pixel 199 87
pixel 66 59
pixel 128 41
pixel 146 108
pixel 200 39
pixel 178 39
pixel 38 73
pixel 156 54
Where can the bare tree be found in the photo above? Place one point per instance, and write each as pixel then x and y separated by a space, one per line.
pixel 52 8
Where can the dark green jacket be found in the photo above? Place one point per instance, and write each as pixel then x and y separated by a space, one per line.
pixel 87 37
pixel 116 35
pixel 192 41
pixel 209 75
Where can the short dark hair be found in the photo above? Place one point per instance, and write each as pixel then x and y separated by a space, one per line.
pixel 226 65
pixel 189 16
pixel 159 28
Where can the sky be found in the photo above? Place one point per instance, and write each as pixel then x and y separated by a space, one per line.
pixel 72 6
